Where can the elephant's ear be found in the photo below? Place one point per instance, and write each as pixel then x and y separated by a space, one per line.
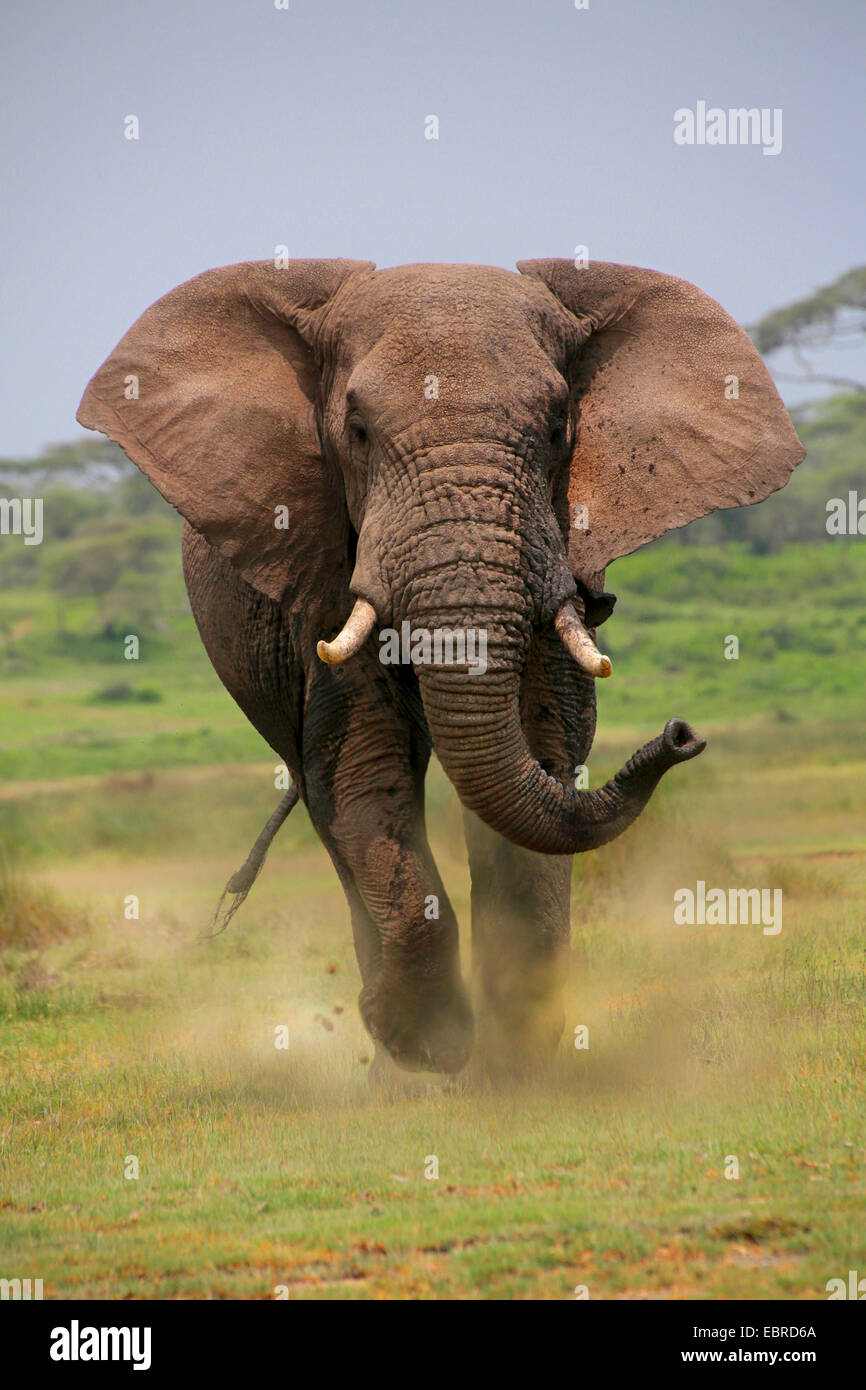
pixel 212 393
pixel 677 414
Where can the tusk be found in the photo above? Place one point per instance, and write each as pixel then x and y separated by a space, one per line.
pixel 357 629
pixel 578 642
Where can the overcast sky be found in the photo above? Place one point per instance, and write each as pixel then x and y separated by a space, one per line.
pixel 306 127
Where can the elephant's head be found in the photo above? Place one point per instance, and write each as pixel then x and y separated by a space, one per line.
pixel 473 446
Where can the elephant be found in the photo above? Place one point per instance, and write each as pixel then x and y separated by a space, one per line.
pixel 361 456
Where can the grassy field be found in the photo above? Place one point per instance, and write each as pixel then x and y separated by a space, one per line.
pixel 261 1168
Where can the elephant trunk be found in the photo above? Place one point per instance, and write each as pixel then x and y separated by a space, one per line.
pixel 481 553
pixel 475 725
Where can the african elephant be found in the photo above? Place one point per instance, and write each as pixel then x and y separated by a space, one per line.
pixel 443 449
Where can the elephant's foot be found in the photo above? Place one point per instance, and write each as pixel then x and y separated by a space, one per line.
pixel 390 1082
pixel 430 1032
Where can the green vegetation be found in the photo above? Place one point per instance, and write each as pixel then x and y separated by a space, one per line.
pixel 260 1167
pixel 833 314
pixel 769 574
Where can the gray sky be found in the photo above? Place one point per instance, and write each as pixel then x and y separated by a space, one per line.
pixel 305 127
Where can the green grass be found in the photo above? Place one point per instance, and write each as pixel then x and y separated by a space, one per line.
pixel 261 1168
pixel 797 615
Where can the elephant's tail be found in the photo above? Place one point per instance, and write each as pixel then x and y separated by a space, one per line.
pixel 241 882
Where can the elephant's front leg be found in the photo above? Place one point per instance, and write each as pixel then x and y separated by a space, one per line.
pixel 364 766
pixel 520 946
pixel 413 1002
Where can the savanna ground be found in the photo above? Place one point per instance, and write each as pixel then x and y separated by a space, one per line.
pixel 260 1168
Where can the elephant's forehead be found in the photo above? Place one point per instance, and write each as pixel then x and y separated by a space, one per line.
pixel 434 299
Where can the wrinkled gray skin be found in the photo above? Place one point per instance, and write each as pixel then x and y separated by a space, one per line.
pixel 448 512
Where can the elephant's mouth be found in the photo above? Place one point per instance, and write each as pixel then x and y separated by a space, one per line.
pixel 597 604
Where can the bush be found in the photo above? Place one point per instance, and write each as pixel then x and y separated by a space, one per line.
pixel 30 916
pixel 122 691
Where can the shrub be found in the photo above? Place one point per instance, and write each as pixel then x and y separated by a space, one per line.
pixel 123 691
pixel 30 916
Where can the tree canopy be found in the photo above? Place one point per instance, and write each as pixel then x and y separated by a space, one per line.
pixel 834 315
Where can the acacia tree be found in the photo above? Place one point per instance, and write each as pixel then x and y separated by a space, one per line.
pixel 834 316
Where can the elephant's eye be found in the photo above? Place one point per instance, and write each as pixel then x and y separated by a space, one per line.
pixel 357 429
